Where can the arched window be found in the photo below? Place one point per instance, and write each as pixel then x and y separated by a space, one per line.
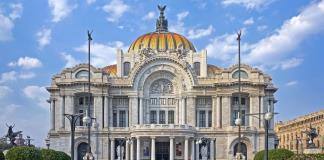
pixel 126 68
pixel 82 74
pixel 244 75
pixel 197 68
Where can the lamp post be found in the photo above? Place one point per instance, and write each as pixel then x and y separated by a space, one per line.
pixel 238 121
pixel 73 119
pixel 47 142
pixel 87 119
pixel 268 115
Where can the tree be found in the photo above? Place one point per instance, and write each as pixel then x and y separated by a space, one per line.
pixel 275 154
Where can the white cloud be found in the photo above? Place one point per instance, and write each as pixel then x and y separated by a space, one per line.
pixel 198 33
pixel 70 60
pixel 4 91
pixel 44 37
pixel 179 26
pixel 290 63
pixel 149 16
pixel 7 21
pixel 60 9
pixel 102 54
pixel 249 21
pixel 262 27
pixel 27 75
pixel 292 83
pixel 17 10
pixel 38 94
pixel 249 4
pixel 8 76
pixel 115 9
pixel 289 36
pixel 91 1
pixel 26 63
pixel 276 48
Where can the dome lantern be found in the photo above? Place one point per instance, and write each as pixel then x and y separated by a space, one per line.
pixel 161 23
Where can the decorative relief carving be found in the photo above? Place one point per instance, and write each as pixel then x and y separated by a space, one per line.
pixel 161 86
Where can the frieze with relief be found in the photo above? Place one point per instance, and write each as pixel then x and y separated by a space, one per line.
pixel 162 86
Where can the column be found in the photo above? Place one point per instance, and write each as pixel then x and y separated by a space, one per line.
pixel 132 150
pixel 112 149
pixel 133 111
pixel 62 112
pixel 153 148
pixel 110 110
pixel 186 150
pixel 197 150
pixel 69 107
pixel 106 112
pixel 98 107
pixel 251 108
pixel 214 112
pixel 212 150
pixel 219 112
pixel 183 110
pixel 127 150
pixel 192 154
pixel 177 112
pixel 52 115
pixel 261 111
pixel 141 111
pixel 191 110
pixel 171 148
pixel 138 149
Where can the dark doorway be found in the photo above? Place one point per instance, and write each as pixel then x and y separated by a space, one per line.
pixel 243 149
pixel 82 150
pixel 162 150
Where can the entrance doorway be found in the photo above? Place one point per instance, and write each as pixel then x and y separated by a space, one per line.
pixel 82 150
pixel 243 149
pixel 162 150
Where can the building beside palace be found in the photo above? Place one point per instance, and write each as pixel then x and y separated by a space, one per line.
pixel 289 132
pixel 163 95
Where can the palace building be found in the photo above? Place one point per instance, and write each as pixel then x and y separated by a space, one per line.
pixel 291 134
pixel 163 97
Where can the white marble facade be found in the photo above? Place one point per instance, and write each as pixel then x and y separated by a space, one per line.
pixel 163 100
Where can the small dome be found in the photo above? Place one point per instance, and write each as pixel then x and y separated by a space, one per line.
pixel 161 41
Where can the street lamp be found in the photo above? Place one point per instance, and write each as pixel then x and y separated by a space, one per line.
pixel 47 142
pixel 87 119
pixel 72 119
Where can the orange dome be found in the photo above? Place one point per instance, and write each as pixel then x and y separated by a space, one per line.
pixel 161 41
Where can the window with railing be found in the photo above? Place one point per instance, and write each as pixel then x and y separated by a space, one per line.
pixel 162 117
pixel 170 117
pixel 202 119
pixel 153 118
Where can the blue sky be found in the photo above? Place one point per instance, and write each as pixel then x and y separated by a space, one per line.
pixel 39 38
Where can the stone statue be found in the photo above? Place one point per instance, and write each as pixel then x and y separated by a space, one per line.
pixel 311 134
pixel 204 152
pixel 120 152
pixel 11 134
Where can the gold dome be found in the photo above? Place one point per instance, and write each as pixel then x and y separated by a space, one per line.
pixel 161 41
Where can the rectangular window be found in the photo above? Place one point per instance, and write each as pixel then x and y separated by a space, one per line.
pixel 114 118
pixel 243 101
pixel 122 118
pixel 202 119
pixel 210 118
pixel 170 117
pixel 235 100
pixel 197 68
pixel 81 101
pixel 153 117
pixel 162 117
pixel 81 118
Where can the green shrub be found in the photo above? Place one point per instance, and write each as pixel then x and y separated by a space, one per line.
pixel 2 157
pixel 307 157
pixel 49 154
pixel 63 156
pixel 275 154
pixel 23 153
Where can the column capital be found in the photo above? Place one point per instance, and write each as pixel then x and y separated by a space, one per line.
pixel 112 139
pixel 152 137
pixel 172 137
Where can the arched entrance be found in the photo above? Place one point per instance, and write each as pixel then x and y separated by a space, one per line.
pixel 243 149
pixel 82 150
